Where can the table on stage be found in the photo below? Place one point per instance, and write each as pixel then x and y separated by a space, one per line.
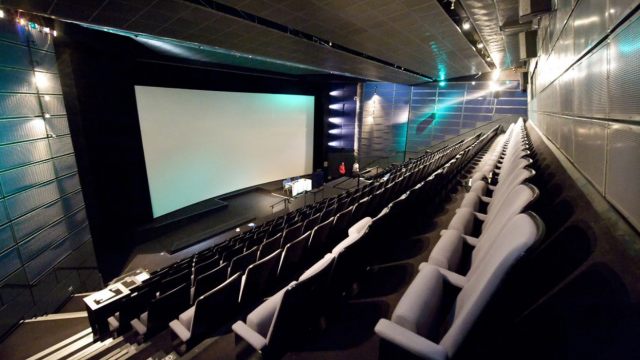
pixel 299 186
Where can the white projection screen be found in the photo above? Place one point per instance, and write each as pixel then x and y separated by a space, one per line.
pixel 202 144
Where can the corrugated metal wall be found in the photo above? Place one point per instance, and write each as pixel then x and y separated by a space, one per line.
pixel 45 248
pixel 586 96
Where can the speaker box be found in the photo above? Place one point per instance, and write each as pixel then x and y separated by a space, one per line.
pixel 529 9
pixel 528 44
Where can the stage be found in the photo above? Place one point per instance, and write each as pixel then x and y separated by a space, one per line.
pixel 162 243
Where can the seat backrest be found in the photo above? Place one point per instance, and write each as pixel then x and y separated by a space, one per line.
pixel 327 213
pixel 210 280
pixel 269 247
pixel 216 307
pixel 241 262
pixel 259 277
pixel 175 281
pixel 358 211
pixel 512 243
pixel 205 267
pixel 134 306
pixel 300 303
pixel 167 308
pixel 311 223
pixel 342 205
pixel 292 256
pixel 229 254
pixel 520 197
pixel 291 234
pixel 372 205
pixel 503 188
pixel 340 225
pixel 318 242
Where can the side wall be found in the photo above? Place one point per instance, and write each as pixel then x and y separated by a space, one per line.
pixel 46 252
pixel 586 93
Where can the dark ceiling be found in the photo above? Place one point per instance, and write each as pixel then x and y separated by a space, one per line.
pixel 411 34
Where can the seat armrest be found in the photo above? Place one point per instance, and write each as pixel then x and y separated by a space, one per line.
pixel 481 217
pixel 137 325
pixel 486 199
pixel 471 240
pixel 452 278
pixel 182 332
pixel 492 187
pixel 253 338
pixel 410 341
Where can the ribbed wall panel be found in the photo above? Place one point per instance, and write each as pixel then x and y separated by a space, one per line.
pixel 61 145
pixel 24 153
pixel 6 237
pixel 13 55
pixel 38 220
pixel 57 125
pixel 624 72
pixel 54 105
pixel 26 177
pixel 623 155
pixel 14 105
pixel 590 149
pixel 14 80
pixel 31 199
pixel 44 61
pixel 17 130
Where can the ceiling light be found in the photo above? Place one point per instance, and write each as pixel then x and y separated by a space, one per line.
pixel 477 76
pixel 21 21
pixel 496 75
pixel 46 115
pixel 1 14
pixel 480 45
pixel 466 25
pixel 473 83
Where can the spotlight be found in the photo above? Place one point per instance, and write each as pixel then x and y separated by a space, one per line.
pixel 1 14
pixel 473 83
pixel 496 75
pixel 47 98
pixel 46 115
pixel 477 76
pixel 330 43
pixel 480 45
pixel 21 21
pixel 466 25
pixel 55 33
pixel 47 30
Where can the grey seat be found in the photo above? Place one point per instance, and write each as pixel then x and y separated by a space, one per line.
pixel 311 223
pixel 258 278
pixel 209 281
pixel 292 256
pixel 269 247
pixel 162 311
pixel 340 225
pixel 210 311
pixel 283 319
pixel 130 309
pixel 317 246
pixel 241 262
pixel 291 234
pixel 412 331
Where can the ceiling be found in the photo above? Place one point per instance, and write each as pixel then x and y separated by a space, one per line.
pixel 411 34
pixel 490 17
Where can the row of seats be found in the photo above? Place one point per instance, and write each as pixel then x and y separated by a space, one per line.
pixel 197 295
pixel 427 323
pixel 272 327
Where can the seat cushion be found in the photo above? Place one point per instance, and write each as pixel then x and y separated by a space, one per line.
pixel 261 318
pixel 448 250
pixel 419 305
pixel 479 188
pixel 180 330
pixel 186 318
pixel 471 201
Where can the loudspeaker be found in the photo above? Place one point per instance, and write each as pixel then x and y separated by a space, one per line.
pixel 528 44
pixel 528 9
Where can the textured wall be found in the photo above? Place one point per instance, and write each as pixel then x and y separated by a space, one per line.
pixel 45 247
pixel 399 118
pixel 586 94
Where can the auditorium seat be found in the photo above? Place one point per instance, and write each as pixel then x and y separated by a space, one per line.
pixel 230 254
pixel 317 245
pixel 131 308
pixel 210 280
pixel 241 262
pixel 291 234
pixel 209 312
pixel 204 268
pixel 269 247
pixel 358 211
pixel 473 200
pixel 327 213
pixel 413 331
pixel 175 280
pixel 259 277
pixel 283 319
pixel 339 229
pixel 311 223
pixel 292 256
pixel 161 311
pixel 342 205
pixel 348 259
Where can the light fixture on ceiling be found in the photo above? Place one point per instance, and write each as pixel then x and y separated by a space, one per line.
pixel 477 76
pixel 473 83
pixel 466 24
pixel 479 45
pixel 1 14
pixel 46 115
pixel 453 4
pixel 330 43
pixel 496 75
